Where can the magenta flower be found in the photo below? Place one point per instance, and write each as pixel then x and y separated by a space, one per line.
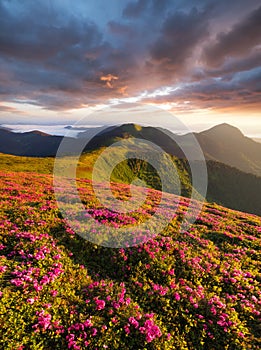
pixel 127 329
pixel 177 296
pixel 94 331
pixel 100 304
pixel 53 293
pixel 134 322
pixel 30 300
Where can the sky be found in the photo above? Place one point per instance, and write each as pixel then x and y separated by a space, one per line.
pixel 60 60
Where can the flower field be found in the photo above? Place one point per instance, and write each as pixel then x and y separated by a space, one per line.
pixel 194 290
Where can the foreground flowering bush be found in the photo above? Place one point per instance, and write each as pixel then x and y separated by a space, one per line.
pixel 193 290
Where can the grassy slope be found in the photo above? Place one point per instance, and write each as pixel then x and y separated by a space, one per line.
pixel 193 290
pixel 226 185
pixel 16 163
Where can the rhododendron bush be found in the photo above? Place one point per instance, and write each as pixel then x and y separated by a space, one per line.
pixel 194 290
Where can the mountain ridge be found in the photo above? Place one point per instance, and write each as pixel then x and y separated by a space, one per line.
pixel 223 143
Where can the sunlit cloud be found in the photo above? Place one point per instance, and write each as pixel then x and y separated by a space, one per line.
pixel 109 79
pixel 123 90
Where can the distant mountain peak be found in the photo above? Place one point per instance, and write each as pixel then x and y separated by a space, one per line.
pixel 224 129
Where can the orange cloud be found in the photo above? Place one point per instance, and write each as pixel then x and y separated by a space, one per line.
pixel 122 90
pixel 109 79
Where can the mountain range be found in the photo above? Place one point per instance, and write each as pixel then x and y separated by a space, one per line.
pixel 222 143
pixel 32 143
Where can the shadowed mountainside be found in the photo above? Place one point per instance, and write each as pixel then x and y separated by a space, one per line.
pixel 226 144
pixel 33 143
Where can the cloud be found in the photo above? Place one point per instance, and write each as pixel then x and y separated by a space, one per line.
pixel 139 8
pixel 109 79
pixel 46 50
pixel 233 65
pixel 123 89
pixel 38 34
pixel 120 29
pixel 238 41
pixel 4 108
pixel 136 8
pixel 241 89
pixel 61 57
pixel 180 35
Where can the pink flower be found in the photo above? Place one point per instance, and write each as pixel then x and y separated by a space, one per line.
pixel 30 300
pixel 17 282
pixel 127 301
pixel 47 306
pixel 177 296
pixel 100 304
pixel 53 293
pixel 134 322
pixel 57 257
pixel 114 320
pixel 233 280
pixel 151 330
pixel 3 268
pixel 37 287
pixel 44 321
pixel 88 323
pixel 127 329
pixel 94 332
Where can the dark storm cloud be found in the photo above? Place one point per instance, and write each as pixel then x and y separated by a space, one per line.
pixel 48 40
pixel 239 40
pixel 62 56
pixel 38 34
pixel 180 34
